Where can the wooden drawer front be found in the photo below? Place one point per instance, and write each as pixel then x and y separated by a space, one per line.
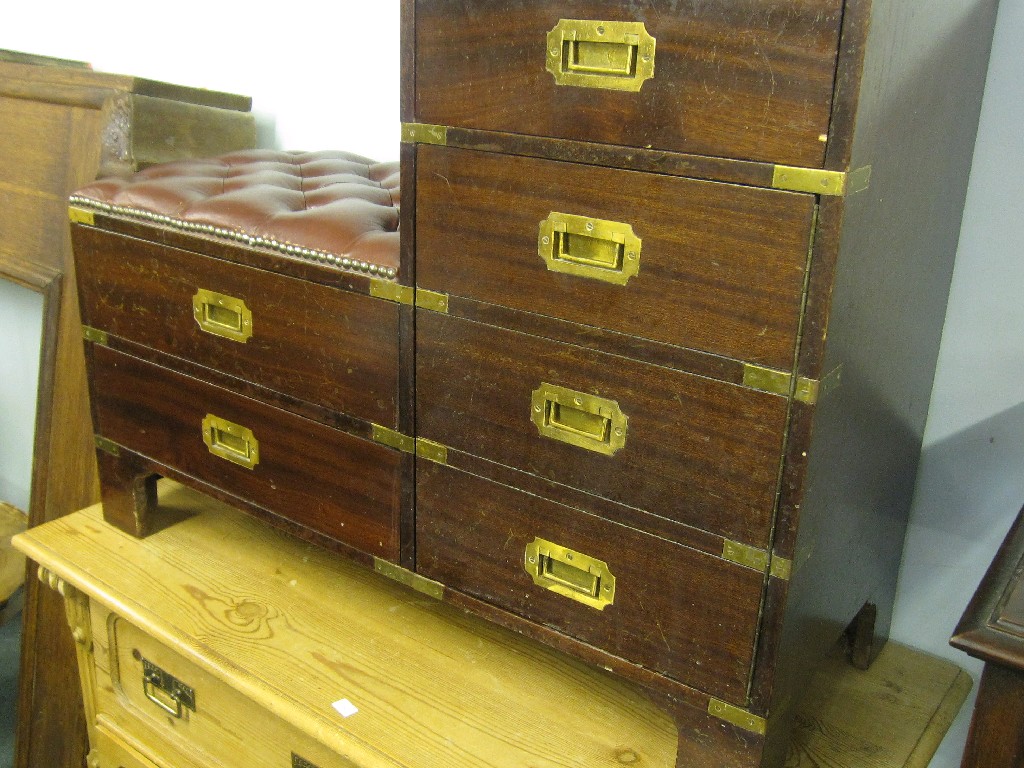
pixel 698 451
pixel 676 611
pixel 225 727
pixel 721 267
pixel 751 79
pixel 110 751
pixel 319 344
pixel 334 483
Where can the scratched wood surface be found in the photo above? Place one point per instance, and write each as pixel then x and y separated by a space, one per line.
pixel 296 629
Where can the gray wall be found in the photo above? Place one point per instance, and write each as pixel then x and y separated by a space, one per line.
pixel 335 86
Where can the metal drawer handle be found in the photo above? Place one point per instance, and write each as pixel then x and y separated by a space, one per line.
pixel 231 441
pixel 588 247
pixel 569 573
pixel 613 55
pixel 222 315
pixel 586 421
pixel 166 691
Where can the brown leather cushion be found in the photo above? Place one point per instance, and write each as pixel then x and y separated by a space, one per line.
pixel 332 207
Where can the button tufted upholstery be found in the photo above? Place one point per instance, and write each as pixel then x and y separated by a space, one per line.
pixel 328 206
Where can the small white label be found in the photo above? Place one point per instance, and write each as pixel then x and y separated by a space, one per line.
pixel 345 708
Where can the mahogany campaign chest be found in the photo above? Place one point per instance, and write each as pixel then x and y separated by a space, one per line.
pixel 242 337
pixel 681 271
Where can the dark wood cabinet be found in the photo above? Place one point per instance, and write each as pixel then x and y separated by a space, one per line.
pixel 992 629
pixel 681 274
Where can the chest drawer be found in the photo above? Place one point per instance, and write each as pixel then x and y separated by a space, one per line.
pixel 184 716
pixel 751 79
pixel 694 450
pixel 671 609
pixel 329 347
pixel 334 483
pixel 702 265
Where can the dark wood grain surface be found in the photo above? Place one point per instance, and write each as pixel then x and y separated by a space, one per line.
pixel 333 348
pixel 750 80
pixel 721 267
pixel 341 486
pixel 697 626
pixel 697 451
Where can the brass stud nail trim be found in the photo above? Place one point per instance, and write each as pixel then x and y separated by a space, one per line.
pixel 344 263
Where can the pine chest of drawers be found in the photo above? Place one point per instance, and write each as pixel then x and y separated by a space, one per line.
pixel 241 339
pixel 681 271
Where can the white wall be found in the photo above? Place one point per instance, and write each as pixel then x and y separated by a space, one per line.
pixel 325 75
pixel 21 327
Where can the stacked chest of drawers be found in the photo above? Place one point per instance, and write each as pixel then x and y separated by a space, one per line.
pixel 633 227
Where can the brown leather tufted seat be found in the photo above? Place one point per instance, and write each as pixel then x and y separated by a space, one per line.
pixel 329 206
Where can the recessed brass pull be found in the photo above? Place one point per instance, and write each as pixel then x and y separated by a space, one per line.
pixel 569 573
pixel 586 421
pixel 166 691
pixel 588 247
pixel 231 441
pixel 222 315
pixel 614 55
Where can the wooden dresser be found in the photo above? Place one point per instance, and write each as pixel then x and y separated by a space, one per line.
pixel 62 125
pixel 681 271
pixel 992 629
pixel 221 642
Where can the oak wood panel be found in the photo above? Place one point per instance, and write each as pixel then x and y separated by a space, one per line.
pixel 336 484
pixel 697 451
pixel 478 217
pixel 296 629
pixel 697 627
pixel 750 79
pixel 333 348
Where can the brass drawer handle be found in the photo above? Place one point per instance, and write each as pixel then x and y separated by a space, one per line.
pixel 588 247
pixel 166 691
pixel 586 421
pixel 613 55
pixel 569 573
pixel 231 441
pixel 222 315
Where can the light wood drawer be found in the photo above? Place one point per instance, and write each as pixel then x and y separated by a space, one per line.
pixel 714 267
pixel 749 80
pixel 110 750
pixel 217 724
